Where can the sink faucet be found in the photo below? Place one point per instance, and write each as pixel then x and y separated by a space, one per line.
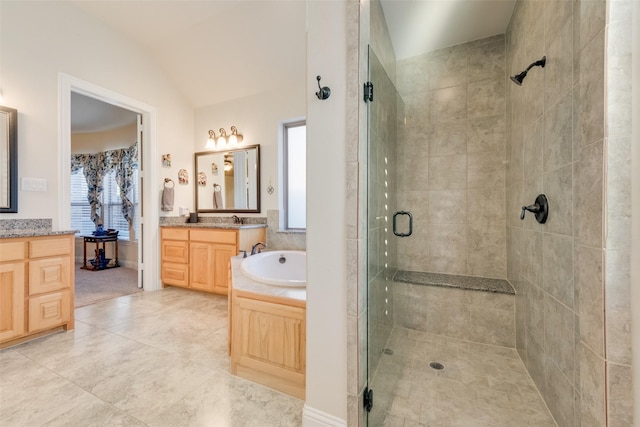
pixel 236 220
pixel 257 248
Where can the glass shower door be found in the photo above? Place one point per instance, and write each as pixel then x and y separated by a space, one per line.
pixel 383 132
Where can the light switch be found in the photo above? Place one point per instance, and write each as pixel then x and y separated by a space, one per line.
pixel 33 184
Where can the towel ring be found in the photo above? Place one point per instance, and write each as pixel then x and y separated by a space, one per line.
pixel 169 180
pixel 217 187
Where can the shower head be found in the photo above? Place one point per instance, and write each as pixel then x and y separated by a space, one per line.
pixel 518 78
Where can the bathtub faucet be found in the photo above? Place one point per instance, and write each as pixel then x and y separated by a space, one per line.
pixel 257 248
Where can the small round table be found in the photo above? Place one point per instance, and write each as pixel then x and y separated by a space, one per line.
pixel 97 240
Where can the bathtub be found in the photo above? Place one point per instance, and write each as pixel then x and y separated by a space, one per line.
pixel 277 268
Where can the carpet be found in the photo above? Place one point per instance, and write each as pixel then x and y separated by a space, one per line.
pixel 95 286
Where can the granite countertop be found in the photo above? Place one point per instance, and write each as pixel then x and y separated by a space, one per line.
pixel 454 281
pixel 243 283
pixel 7 234
pixel 213 225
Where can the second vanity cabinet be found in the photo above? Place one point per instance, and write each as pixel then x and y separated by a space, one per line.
pixel 198 258
pixel 36 286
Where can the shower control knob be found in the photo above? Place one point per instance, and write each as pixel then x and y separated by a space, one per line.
pixel 540 208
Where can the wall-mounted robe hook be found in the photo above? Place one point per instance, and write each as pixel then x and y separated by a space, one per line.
pixel 324 92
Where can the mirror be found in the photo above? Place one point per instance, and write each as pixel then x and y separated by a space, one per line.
pixel 228 180
pixel 8 160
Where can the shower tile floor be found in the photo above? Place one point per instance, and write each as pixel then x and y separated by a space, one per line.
pixel 480 385
pixel 147 359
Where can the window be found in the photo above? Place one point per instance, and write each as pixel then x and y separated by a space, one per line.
pixel 111 205
pixel 295 175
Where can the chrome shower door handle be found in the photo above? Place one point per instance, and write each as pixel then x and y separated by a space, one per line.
pixel 395 230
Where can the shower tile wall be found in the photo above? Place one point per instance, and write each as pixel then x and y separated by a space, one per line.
pixel 451 164
pixel 565 270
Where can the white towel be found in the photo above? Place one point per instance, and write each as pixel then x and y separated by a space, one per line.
pixel 167 198
pixel 217 199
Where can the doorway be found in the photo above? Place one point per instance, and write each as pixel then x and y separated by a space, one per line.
pixel 149 198
pixel 105 203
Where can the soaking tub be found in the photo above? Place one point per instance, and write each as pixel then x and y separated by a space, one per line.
pixel 278 268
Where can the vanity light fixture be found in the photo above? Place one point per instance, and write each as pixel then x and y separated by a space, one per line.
pixel 235 138
pixel 223 140
pixel 211 142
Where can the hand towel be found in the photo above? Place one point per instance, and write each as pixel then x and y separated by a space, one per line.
pixel 167 198
pixel 217 199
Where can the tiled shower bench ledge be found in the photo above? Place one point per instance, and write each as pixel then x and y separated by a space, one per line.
pixel 475 309
pixel 453 281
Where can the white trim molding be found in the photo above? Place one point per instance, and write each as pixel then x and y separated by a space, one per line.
pixel 312 417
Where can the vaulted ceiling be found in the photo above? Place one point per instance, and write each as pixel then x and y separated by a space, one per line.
pixel 218 50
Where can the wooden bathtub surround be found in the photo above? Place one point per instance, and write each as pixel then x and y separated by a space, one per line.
pixel 268 341
pixel 198 258
pixel 36 286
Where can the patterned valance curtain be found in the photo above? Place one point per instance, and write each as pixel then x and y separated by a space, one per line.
pixel 123 161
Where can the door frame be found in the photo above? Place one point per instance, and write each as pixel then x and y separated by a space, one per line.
pixel 149 222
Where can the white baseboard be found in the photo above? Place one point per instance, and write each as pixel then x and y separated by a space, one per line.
pixel 312 417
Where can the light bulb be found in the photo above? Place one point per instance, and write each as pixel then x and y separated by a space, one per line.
pixel 211 142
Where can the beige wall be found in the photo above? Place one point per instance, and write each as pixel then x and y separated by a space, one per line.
pixel 451 163
pixel 331 128
pixel 95 142
pixel 569 270
pixel 635 170
pixel 618 208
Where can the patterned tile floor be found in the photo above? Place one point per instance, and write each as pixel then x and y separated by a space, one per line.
pixel 480 385
pixel 152 358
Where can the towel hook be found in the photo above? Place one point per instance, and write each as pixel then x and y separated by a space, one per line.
pixel 169 180
pixel 324 92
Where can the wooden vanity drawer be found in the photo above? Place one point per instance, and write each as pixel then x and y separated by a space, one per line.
pixel 175 233
pixel 214 236
pixel 175 251
pixel 12 251
pixel 50 247
pixel 49 310
pixel 175 274
pixel 49 274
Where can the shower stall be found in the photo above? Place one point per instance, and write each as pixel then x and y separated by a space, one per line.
pixel 474 315
pixel 441 344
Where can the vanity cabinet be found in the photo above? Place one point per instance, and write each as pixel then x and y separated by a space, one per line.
pixel 198 258
pixel 36 286
pixel 12 300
